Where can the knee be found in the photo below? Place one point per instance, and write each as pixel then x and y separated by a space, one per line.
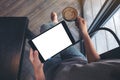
pixel 43 28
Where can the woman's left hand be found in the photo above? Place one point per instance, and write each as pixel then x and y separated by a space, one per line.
pixel 37 65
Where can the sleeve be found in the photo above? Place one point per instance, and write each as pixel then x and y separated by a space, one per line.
pixel 104 70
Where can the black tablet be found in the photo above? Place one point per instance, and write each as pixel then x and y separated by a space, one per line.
pixel 52 41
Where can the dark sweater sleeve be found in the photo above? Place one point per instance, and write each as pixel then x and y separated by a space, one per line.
pixel 103 70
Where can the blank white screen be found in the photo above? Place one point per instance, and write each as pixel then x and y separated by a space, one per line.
pixel 52 41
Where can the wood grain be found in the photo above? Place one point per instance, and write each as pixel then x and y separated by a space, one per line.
pixel 103 41
pixel 100 37
pixel 38 11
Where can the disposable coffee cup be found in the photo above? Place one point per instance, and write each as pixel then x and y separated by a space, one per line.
pixel 69 14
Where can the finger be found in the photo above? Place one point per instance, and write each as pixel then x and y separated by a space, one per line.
pixel 36 56
pixel 79 18
pixel 42 65
pixel 31 55
pixel 82 20
pixel 76 24
pixel 77 21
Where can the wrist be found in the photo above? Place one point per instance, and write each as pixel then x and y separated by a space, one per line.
pixel 84 33
pixel 39 74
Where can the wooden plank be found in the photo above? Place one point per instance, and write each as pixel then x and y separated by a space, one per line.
pixel 102 2
pixel 45 11
pixel 94 42
pixel 88 15
pixel 93 16
pixel 38 11
pixel 100 37
pixel 2 2
pixel 117 22
pixel 95 7
pixel 27 7
pixel 110 39
pixel 87 10
pixel 10 9
pixel 101 42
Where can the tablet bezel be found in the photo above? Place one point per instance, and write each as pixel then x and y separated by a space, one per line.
pixel 68 33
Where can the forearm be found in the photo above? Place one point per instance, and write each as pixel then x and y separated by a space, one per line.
pixel 39 75
pixel 91 53
pixel 38 71
pixel 37 65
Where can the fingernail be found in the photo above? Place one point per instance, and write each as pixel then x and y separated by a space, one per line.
pixel 36 52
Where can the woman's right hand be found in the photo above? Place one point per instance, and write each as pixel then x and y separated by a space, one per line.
pixel 82 25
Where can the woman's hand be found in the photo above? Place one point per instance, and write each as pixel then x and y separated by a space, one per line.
pixel 82 25
pixel 37 65
pixel 91 53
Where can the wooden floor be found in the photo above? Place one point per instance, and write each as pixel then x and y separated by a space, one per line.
pixel 38 12
pixel 103 41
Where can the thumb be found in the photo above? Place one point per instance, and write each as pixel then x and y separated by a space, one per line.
pixel 36 58
pixel 31 55
pixel 36 54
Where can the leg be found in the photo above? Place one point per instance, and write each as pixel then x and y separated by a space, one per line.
pixel 47 26
pixel 56 59
pixel 29 34
pixel 54 19
pixel 71 52
pixel 51 64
